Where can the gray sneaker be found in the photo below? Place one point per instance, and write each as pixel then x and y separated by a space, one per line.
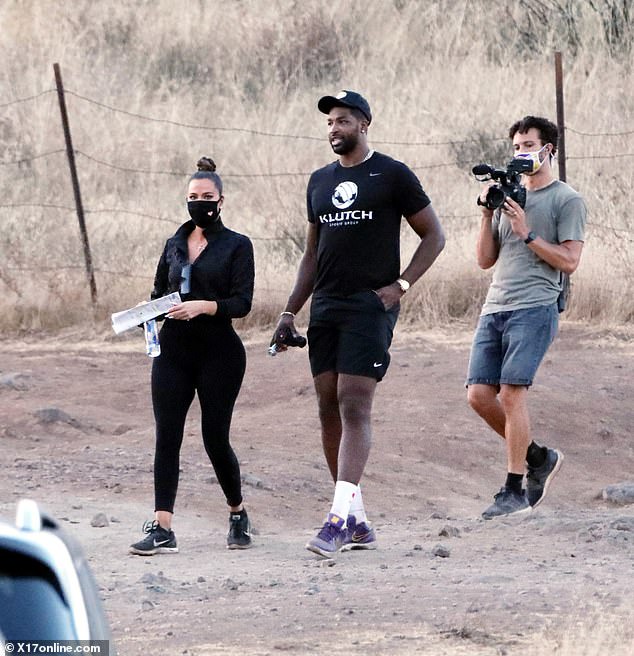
pixel 507 502
pixel 538 478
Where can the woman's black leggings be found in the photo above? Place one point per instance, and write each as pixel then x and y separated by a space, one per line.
pixel 208 358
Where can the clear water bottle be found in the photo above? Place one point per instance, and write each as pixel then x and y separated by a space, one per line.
pixel 152 345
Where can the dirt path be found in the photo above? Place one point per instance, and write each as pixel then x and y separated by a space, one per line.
pixel 558 581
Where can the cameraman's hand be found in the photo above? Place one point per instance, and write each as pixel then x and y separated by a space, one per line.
pixel 486 212
pixel 517 217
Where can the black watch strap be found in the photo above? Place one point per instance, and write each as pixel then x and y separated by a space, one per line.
pixel 531 237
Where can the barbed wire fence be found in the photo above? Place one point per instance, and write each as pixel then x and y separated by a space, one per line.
pixel 81 155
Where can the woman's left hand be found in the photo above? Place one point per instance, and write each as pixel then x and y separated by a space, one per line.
pixel 190 309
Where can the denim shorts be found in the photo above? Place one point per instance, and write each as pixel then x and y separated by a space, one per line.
pixel 508 347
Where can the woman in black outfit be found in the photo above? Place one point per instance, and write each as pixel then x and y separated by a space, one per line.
pixel 213 269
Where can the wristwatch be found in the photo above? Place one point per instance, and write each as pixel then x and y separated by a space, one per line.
pixel 531 237
pixel 403 284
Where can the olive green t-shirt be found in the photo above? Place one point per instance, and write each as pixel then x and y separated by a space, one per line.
pixel 521 279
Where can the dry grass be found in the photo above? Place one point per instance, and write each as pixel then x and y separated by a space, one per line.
pixel 434 71
pixel 595 633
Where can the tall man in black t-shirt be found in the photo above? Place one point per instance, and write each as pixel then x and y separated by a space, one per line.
pixel 351 266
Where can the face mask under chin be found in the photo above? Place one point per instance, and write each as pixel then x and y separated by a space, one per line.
pixel 203 212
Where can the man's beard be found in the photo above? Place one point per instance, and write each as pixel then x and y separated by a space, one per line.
pixel 346 145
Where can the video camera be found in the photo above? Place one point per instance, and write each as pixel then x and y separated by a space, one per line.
pixel 508 182
pixel 289 339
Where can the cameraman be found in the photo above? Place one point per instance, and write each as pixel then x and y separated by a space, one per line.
pixel 531 248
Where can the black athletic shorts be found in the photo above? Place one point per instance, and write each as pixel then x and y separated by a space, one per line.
pixel 351 335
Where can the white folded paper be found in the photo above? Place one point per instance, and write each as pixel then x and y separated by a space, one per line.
pixel 122 321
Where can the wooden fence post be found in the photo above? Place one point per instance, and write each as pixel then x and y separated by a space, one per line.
pixel 561 159
pixel 90 272
pixel 561 126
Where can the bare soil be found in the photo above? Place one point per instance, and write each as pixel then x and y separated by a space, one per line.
pixel 556 581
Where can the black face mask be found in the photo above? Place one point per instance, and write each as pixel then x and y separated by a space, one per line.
pixel 203 212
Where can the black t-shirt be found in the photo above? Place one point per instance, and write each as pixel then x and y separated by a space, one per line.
pixel 358 213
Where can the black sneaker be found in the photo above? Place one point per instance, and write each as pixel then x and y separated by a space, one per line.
pixel 507 502
pixel 239 531
pixel 538 478
pixel 157 540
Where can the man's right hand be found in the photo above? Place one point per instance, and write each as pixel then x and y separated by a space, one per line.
pixel 285 328
pixel 486 212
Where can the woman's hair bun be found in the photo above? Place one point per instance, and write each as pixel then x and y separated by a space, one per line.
pixel 206 164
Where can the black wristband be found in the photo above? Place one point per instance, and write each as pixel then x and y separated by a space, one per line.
pixel 531 237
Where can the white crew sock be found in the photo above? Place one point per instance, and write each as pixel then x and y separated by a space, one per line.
pixel 356 507
pixel 344 494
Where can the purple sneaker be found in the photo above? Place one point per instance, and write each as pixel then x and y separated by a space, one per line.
pixel 358 535
pixel 330 538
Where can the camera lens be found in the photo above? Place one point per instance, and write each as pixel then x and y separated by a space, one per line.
pixel 495 197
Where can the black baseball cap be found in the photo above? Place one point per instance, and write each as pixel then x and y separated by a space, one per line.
pixel 345 98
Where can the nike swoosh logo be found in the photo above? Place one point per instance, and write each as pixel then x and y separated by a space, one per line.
pixel 373 174
pixel 356 537
pixel 160 542
pixel 377 364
